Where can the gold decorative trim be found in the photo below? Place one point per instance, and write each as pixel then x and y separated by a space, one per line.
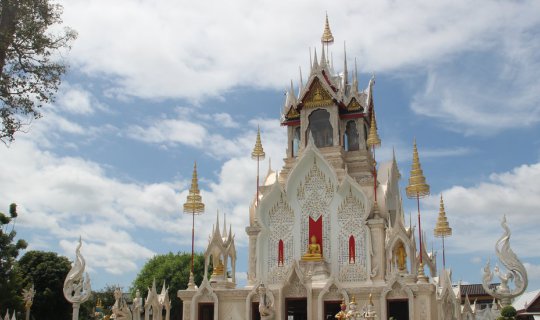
pixel 317 96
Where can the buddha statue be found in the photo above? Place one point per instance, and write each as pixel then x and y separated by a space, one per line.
pixel 401 258
pixel 314 250
pixel 218 269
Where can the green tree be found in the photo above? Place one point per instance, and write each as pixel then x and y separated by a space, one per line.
pixel 174 270
pixel 508 313
pixel 10 281
pixel 47 271
pixel 29 64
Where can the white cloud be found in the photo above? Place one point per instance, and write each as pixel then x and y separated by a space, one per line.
pixel 477 211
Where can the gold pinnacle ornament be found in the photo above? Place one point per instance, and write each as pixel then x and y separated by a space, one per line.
pixel 193 206
pixel 373 140
pixel 327 37
pixel 442 228
pixel 417 187
pixel 194 203
pixel 258 151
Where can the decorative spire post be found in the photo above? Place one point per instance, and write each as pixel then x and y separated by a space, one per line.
pixel 516 271
pixel 77 287
pixel 327 37
pixel 258 154
pixel 373 141
pixel 418 188
pixel 193 206
pixel 28 297
pixel 442 229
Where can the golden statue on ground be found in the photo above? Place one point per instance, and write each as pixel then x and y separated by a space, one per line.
pixel 314 250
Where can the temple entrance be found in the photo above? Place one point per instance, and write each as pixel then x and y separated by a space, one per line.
pixel 398 309
pixel 296 309
pixel 206 311
pixel 255 315
pixel 331 308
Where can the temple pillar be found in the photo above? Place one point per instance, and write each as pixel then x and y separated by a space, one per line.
pixel 252 232
pixel 376 227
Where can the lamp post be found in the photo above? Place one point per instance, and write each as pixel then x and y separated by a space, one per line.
pixel 418 188
pixel 193 206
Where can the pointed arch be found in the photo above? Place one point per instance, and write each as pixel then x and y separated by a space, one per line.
pixel 205 293
pixel 396 285
pixel 332 287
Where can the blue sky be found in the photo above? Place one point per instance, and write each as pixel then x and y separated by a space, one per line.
pixel 154 86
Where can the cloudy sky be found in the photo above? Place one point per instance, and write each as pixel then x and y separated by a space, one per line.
pixel 155 85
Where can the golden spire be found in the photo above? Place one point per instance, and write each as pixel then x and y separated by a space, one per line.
pixel 442 228
pixel 258 151
pixel 194 203
pixel 353 300
pixel 373 140
pixel 417 187
pixel 327 37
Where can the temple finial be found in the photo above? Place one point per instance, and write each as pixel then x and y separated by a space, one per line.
pixel 345 71
pixel 442 228
pixel 327 37
pixel 301 82
pixel 194 203
pixel 417 182
pixel 373 140
pixel 258 151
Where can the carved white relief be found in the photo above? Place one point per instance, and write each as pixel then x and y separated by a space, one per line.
pixel 281 221
pixel 295 289
pixel 352 222
pixel 314 195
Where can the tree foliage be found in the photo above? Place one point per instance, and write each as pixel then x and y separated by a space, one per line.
pixel 508 313
pixel 172 268
pixel 29 60
pixel 10 281
pixel 106 295
pixel 47 271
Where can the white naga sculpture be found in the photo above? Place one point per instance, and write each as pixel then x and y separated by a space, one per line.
pixel 28 297
pixel 77 286
pixel 120 308
pixel 516 271
pixel 266 304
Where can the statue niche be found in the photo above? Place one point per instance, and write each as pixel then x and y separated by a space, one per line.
pixel 320 128
pixel 400 257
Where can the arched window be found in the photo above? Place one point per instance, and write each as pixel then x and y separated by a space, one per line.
pixel 352 250
pixel 320 128
pixel 280 253
pixel 351 137
pixel 296 141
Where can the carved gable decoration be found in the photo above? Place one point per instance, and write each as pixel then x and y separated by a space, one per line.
pixel 317 96
pixel 354 106
pixel 292 114
pixel 295 289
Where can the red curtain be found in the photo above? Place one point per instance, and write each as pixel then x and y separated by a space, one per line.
pixel 280 253
pixel 352 250
pixel 315 229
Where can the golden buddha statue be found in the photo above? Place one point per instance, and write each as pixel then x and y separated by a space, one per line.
pixel 314 250
pixel 401 257
pixel 218 270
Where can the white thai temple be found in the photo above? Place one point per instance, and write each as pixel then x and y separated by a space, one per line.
pixel 327 228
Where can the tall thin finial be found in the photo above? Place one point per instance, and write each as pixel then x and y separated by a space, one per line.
pixel 301 81
pixel 327 37
pixel 258 151
pixel 193 206
pixel 442 228
pixel 355 80
pixel 417 182
pixel 373 140
pixel 345 71
pixel 258 154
